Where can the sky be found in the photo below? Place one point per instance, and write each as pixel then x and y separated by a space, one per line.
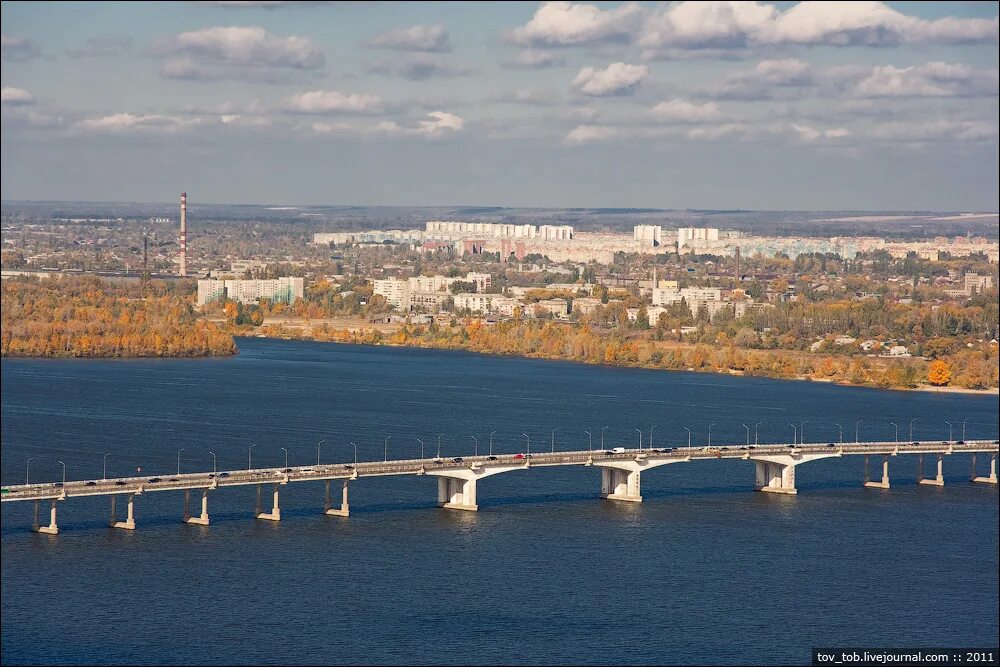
pixel 724 105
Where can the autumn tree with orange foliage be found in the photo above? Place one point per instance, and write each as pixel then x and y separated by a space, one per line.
pixel 939 373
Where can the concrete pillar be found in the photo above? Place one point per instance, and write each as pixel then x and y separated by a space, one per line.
pixel 884 484
pixel 344 510
pixel 938 480
pixel 619 484
pixel 53 527
pixel 775 477
pixel 457 494
pixel 129 522
pixel 34 523
pixel 197 520
pixel 275 513
pixel 992 479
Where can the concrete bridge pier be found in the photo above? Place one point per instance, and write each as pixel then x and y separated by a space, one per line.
pixel 992 479
pixel 53 527
pixel 198 520
pixel 619 484
pixel 937 481
pixel 344 510
pixel 776 473
pixel 275 513
pixel 129 522
pixel 884 484
pixel 457 486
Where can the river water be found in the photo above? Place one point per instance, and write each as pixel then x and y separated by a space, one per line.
pixel 704 571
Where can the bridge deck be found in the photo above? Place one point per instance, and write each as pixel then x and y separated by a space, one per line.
pixel 209 480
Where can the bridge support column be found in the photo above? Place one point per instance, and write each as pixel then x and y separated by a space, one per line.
pixel 884 484
pixel 275 513
pixel 344 510
pixel 53 527
pixel 618 484
pixel 775 477
pixel 937 481
pixel 129 522
pixel 457 494
pixel 198 520
pixel 992 479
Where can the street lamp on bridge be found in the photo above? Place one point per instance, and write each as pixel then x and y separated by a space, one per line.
pixel 689 436
pixel 477 444
pixel 385 449
pixel 529 443
pixel 802 432
pixel 795 433
pixel 949 431
pixel 857 428
pixel 639 431
pixel 491 442
pixel 710 433
pixel 554 439
pixel 317 450
pixel 755 432
pixel 896 426
pixel 355 453
pixel 421 447
pixel 105 476
pixel 748 434
pixel 27 468
pixel 440 435
pixel 590 441
pixel 250 456
pixel 179 460
pixel 651 436
pixel 963 428
pixel 911 427
pixel 215 468
pixel 64 472
pixel 286 456
pixel 602 435
pixel 841 432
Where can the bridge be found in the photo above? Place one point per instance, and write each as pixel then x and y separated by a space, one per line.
pixel 621 471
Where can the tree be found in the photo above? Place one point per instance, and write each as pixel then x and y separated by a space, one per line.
pixel 939 373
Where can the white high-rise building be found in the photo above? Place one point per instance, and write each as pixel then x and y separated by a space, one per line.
pixel 688 236
pixel 648 234
pixel 284 290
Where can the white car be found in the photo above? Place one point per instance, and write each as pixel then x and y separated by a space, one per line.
pixel 618 450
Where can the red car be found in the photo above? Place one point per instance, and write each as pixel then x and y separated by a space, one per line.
pixel 518 456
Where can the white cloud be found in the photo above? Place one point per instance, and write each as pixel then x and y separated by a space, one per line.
pixel 419 66
pixel 334 102
pixel 569 24
pixel 437 125
pixel 536 59
pixel 686 112
pixel 587 134
pixel 121 123
pixel 810 134
pixel 934 131
pixel 214 52
pixel 16 96
pixel 616 79
pixel 767 80
pixel 18 49
pixel 414 38
pixel 933 79
pixel 740 25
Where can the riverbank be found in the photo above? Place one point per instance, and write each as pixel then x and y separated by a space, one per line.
pixel 547 340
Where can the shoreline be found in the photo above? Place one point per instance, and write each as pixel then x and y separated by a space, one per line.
pixel 993 391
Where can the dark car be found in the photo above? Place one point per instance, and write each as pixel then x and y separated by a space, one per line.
pixel 914 443
pixel 724 449
pixel 287 470
pixel 223 474
pixel 670 449
pixel 457 459
pixel 91 483
pixel 173 479
pixel 960 442
pixel 348 467
pixel 154 480
pixel 608 452
pixel 743 449
pixel 211 475
pixel 58 484
pixel 491 458
pixel 120 483
pixel 830 444
pixel 789 445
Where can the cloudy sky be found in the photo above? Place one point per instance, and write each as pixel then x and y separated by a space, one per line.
pixel 812 105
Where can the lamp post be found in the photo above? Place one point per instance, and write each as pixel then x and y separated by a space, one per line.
pixel 963 428
pixel 215 468
pixel 64 472
pixel 105 476
pixel 896 426
pixel 250 456
pixel 529 443
pixel 640 438
pixel 949 431
pixel 421 447
pixel 802 432
pixel 795 433
pixel 689 436
pixel 27 468
pixel 491 442
pixel 911 427
pixel 602 436
pixel 317 450
pixel 477 444
pixel 355 453
pixel 440 435
pixel 651 436
pixel 841 432
pixel 748 434
pixel 179 460
pixel 554 439
pixel 857 427
pixel 590 441
pixel 385 449
pixel 755 433
pixel 710 433
pixel 286 456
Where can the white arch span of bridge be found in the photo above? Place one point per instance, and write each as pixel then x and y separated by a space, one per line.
pixel 458 478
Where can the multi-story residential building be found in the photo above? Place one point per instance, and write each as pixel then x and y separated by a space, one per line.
pixel 395 291
pixel 651 235
pixel 284 290
pixel 586 305
pixel 428 300
pixel 556 307
pixel 477 303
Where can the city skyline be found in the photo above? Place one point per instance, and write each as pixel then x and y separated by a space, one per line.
pixel 872 107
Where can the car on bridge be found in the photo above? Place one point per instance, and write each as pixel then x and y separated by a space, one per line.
pixel 491 458
pixel 518 456
pixel 154 480
pixel 120 482
pixel 91 483
pixel 618 450
pixel 457 459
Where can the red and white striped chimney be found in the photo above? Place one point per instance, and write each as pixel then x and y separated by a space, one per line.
pixel 184 208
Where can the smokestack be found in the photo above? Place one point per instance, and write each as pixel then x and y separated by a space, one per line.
pixel 145 252
pixel 737 264
pixel 184 208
